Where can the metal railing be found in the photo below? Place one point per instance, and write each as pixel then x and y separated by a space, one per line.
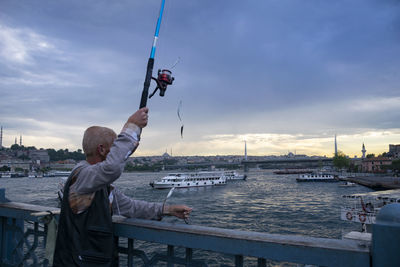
pixel 23 238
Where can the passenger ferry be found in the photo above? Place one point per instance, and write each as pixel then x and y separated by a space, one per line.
pixel 196 179
pixel 316 177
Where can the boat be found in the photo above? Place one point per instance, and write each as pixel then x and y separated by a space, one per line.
pixel 347 184
pixel 6 175
pixel 57 174
pixel 363 208
pixel 195 179
pixel 9 175
pixel 234 176
pixel 316 177
pixel 35 175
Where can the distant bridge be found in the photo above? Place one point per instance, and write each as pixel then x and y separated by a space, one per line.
pixel 266 164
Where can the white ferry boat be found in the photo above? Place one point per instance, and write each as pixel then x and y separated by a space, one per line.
pixel 196 179
pixel 233 176
pixel 363 208
pixel 316 177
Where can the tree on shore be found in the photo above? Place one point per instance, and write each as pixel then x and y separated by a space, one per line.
pixel 5 169
pixel 341 161
pixel 395 166
pixel 63 154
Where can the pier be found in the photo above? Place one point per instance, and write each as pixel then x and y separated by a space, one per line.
pixel 377 182
pixel 288 163
pixel 23 240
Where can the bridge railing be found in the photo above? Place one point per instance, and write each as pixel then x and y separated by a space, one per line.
pixel 23 237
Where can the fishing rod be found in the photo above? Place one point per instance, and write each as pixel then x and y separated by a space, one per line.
pixel 164 77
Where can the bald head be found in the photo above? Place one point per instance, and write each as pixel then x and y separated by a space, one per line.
pixel 94 136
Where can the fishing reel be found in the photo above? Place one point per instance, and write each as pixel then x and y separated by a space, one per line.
pixel 163 80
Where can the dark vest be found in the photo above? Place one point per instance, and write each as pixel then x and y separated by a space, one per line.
pixel 85 239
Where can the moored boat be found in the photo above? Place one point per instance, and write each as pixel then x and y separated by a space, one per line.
pixel 347 184
pixel 316 177
pixel 184 180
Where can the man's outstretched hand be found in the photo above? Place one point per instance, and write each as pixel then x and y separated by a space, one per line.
pixel 180 211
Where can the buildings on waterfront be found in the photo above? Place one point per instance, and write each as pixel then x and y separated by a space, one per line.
pixel 376 164
pixel 380 163
pixel 394 151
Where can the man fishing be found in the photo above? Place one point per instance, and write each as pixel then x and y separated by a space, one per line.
pixel 85 234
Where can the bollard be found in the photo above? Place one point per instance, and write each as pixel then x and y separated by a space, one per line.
pixel 386 237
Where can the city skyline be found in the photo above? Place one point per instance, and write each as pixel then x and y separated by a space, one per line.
pixel 363 150
pixel 284 76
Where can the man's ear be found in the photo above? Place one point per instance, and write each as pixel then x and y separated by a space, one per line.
pixel 101 150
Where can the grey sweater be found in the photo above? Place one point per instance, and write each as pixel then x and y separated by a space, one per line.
pixel 92 177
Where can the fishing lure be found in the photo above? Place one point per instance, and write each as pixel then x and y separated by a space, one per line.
pixel 179 116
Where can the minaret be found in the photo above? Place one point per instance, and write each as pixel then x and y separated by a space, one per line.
pixel 20 140
pixel 363 151
pixel 245 150
pixel 15 141
pixel 335 146
pixel 1 137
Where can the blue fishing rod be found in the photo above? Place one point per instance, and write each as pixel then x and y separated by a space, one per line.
pixel 164 77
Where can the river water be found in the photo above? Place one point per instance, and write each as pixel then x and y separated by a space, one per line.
pixel 265 202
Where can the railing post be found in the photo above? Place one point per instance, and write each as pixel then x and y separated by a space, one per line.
pixel 3 222
pixel 189 256
pixel 3 245
pixel 261 262
pixel 238 261
pixel 10 236
pixel 130 252
pixel 386 237
pixel 3 195
pixel 170 255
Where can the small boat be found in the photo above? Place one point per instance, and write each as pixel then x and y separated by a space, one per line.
pixel 316 177
pixel 6 175
pixel 35 175
pixel 195 179
pixel 9 175
pixel 57 174
pixel 347 184
pixel 234 176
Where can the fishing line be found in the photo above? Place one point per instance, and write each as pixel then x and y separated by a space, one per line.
pixel 176 62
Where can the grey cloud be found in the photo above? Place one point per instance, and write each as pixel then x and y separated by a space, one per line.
pixel 246 66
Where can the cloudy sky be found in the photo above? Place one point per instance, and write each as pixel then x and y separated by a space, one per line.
pixel 284 75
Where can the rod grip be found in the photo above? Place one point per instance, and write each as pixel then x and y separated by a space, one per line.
pixel 147 80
